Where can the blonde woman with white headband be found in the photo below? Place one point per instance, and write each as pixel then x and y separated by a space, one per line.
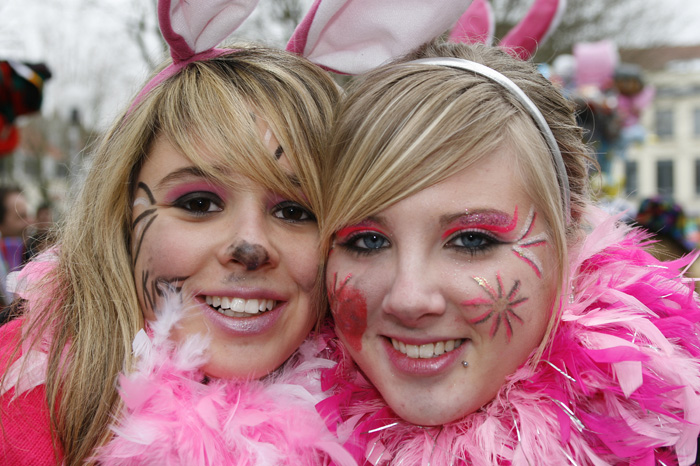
pixel 487 312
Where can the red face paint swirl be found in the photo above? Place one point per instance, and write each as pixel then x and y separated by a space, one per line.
pixel 349 307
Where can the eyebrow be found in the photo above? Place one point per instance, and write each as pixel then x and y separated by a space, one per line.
pixel 183 173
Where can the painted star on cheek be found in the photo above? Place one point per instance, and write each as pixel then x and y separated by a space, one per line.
pixel 349 308
pixel 500 306
pixel 522 244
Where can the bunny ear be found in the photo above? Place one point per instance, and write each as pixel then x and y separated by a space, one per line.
pixel 477 24
pixel 194 26
pixel 542 19
pixel 353 36
pixel 192 29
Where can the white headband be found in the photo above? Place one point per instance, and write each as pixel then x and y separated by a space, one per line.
pixel 531 108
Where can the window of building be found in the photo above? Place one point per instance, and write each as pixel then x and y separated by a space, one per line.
pixel 631 177
pixel 696 122
pixel 664 124
pixel 664 177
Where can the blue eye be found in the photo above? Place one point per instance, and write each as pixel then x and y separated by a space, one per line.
pixel 292 212
pixel 366 243
pixel 199 203
pixel 472 242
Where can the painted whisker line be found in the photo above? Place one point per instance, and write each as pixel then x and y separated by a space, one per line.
pixel 143 215
pixel 143 234
pixel 144 187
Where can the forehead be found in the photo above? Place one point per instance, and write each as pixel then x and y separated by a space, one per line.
pixel 492 182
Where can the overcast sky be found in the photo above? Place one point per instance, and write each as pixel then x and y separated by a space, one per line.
pixel 97 67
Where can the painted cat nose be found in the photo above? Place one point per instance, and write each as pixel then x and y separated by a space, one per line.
pixel 252 256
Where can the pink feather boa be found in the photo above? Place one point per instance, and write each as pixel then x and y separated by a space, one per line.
pixel 171 417
pixel 618 382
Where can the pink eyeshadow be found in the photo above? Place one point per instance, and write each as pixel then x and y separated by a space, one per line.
pixel 180 190
pixel 494 221
pixel 360 227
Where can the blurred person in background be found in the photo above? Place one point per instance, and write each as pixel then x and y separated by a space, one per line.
pixel 666 220
pixel 38 235
pixel 14 219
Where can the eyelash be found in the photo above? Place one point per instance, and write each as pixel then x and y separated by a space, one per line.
pixel 183 202
pixel 350 243
pixel 280 208
pixel 488 241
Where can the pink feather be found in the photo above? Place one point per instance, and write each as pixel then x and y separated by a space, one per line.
pixel 171 416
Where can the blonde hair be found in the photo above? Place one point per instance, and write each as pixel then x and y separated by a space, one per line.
pixel 405 127
pixel 209 108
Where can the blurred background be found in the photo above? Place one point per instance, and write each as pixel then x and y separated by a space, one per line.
pixel 69 67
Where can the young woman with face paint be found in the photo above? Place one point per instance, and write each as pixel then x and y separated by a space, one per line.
pixel 493 314
pixel 196 223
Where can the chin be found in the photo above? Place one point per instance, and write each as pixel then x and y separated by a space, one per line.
pixel 223 371
pixel 429 417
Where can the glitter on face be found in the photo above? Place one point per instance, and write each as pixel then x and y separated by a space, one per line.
pixel 522 244
pixel 496 222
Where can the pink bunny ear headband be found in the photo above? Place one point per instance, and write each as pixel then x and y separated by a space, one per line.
pixel 354 36
pixel 387 28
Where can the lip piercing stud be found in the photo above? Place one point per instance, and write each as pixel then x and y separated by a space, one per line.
pixel 465 364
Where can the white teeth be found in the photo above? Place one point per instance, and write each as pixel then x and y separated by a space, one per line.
pixel 428 350
pixel 251 306
pixel 239 307
pixel 439 348
pixel 238 304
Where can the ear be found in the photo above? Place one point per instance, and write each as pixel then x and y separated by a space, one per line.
pixel 541 20
pixel 191 27
pixel 353 36
pixel 477 24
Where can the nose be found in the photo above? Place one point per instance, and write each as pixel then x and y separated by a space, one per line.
pixel 248 243
pixel 414 294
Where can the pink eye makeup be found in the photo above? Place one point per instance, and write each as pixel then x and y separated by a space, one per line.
pixel 366 226
pixel 486 221
pixel 363 238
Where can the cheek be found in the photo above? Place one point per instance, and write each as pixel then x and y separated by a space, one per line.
pixel 301 259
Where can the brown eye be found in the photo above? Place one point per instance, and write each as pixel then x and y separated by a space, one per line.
pixel 199 203
pixel 292 212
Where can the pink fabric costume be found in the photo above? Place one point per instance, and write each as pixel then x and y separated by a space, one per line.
pixel 25 433
pixel 617 384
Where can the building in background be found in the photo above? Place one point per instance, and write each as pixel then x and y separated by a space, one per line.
pixel 668 162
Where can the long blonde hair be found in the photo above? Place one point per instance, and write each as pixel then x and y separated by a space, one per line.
pixel 93 313
pixel 405 127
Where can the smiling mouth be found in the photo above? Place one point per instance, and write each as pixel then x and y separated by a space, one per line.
pixel 239 307
pixel 427 351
